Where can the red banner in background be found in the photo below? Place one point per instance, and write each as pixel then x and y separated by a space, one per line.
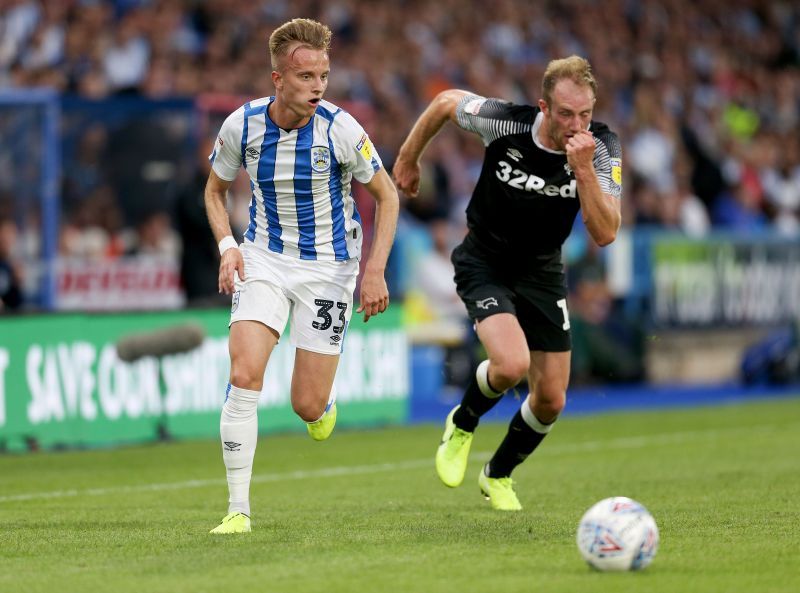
pixel 140 283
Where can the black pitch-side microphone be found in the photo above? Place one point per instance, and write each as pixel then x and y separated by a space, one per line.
pixel 174 339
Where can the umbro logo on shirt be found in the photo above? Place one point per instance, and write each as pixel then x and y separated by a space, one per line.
pixel 252 153
pixel 514 154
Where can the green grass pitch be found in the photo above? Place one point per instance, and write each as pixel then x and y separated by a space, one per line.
pixel 364 511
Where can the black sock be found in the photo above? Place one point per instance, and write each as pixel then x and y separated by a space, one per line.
pixel 473 405
pixel 520 441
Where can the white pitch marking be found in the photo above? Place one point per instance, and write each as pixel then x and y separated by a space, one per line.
pixel 350 470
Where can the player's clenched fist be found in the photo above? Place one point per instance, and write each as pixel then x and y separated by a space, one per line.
pixel 231 262
pixel 374 295
pixel 406 177
pixel 580 149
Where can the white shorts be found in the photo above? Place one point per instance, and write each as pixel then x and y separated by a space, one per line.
pixel 317 294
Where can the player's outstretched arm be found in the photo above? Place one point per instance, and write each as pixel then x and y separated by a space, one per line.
pixel 374 292
pixel 406 167
pixel 216 208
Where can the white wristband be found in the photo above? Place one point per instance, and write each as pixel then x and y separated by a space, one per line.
pixel 227 243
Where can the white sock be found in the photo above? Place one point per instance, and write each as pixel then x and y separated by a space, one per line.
pixel 482 376
pixel 238 429
pixel 531 420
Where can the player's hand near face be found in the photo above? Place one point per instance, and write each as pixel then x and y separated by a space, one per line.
pixel 231 262
pixel 580 150
pixel 406 176
pixel 374 294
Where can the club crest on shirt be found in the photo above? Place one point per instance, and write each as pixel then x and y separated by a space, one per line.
pixel 320 158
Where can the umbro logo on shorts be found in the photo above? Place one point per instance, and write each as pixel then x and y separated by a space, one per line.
pixel 486 303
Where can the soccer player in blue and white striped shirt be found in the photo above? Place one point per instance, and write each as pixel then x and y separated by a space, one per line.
pixel 301 250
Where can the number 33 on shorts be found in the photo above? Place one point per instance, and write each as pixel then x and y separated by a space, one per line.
pixel 324 307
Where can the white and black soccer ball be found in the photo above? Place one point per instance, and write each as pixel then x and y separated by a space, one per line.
pixel 618 534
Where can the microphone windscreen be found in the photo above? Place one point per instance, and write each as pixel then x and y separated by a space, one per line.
pixel 174 339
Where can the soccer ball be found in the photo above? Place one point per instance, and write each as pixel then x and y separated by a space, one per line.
pixel 618 534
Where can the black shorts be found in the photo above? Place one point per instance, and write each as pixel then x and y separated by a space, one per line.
pixel 535 292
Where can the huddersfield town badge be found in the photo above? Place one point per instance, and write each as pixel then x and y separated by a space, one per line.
pixel 320 158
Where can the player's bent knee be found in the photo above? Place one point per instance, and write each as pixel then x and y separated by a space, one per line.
pixel 550 403
pixel 510 371
pixel 246 378
pixel 309 411
pixel 558 406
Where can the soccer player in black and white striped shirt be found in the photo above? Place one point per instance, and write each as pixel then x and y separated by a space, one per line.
pixel 543 164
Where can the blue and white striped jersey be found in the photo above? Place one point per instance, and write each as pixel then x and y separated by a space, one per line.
pixel 300 179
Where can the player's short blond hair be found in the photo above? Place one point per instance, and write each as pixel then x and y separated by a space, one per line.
pixel 306 32
pixel 574 68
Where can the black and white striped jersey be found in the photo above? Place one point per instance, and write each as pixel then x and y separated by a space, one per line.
pixel 526 199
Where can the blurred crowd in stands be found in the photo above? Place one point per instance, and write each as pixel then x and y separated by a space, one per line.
pixel 704 94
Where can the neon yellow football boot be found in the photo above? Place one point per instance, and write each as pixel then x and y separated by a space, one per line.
pixel 452 454
pixel 499 491
pixel 321 429
pixel 233 523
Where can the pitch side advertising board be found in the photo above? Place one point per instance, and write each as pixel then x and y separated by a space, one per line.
pixel 62 384
pixel 725 281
